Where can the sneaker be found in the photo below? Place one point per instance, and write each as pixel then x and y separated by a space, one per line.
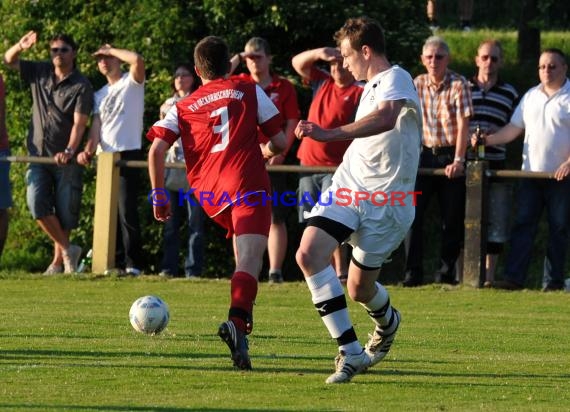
pixel 237 342
pixel 379 345
pixel 347 366
pixel 53 269
pixel 71 259
pixel 133 271
pixel 275 277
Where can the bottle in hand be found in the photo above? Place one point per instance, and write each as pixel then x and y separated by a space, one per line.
pixel 480 143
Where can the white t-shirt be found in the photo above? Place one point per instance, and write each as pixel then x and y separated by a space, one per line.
pixel 546 121
pixel 121 109
pixel 388 161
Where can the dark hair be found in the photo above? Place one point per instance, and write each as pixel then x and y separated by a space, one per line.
pixel 66 38
pixel 362 31
pixel 190 69
pixel 554 50
pixel 212 57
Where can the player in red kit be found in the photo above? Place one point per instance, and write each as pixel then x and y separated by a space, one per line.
pixel 218 126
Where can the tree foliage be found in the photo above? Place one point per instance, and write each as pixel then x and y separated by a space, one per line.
pixel 165 32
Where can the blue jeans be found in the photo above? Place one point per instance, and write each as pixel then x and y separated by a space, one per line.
pixel 55 190
pixel 535 195
pixel 311 185
pixel 195 216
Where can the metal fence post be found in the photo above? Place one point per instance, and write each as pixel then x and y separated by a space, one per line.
pixel 475 250
pixel 105 219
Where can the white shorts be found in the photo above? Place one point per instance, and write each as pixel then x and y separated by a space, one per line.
pixel 378 230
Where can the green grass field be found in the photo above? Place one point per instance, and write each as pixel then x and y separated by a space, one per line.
pixel 66 344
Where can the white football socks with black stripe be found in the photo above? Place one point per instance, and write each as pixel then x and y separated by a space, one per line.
pixel 329 300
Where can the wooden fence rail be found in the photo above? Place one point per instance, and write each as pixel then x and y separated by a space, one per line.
pixel 477 177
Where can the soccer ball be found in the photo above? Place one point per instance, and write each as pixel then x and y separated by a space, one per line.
pixel 149 314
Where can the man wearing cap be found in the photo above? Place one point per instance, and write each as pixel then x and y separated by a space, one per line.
pixel 257 56
pixel 117 127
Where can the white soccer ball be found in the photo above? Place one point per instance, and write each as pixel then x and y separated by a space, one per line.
pixel 149 314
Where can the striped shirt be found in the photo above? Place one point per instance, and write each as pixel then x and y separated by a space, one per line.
pixel 492 110
pixel 442 105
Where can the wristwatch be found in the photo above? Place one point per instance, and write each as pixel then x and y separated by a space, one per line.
pixel 459 159
pixel 69 151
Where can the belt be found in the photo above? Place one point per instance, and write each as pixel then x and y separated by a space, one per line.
pixel 439 150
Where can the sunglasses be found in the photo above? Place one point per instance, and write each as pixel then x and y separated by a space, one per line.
pixel 435 56
pixel 254 56
pixel 60 49
pixel 485 57
pixel 547 66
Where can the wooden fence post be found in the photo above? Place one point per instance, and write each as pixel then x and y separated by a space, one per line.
pixel 105 219
pixel 475 250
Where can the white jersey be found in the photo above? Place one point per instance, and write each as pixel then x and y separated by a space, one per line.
pixel 546 121
pixel 380 166
pixel 386 162
pixel 121 108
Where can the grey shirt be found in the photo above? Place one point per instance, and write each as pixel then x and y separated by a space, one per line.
pixel 54 106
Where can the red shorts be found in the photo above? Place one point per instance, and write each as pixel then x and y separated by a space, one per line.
pixel 246 218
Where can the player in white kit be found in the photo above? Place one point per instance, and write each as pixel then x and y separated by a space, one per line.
pixel 382 160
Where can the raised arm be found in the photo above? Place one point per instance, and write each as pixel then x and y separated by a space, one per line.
pixel 12 55
pixel 303 62
pixel 234 62
pixel 133 59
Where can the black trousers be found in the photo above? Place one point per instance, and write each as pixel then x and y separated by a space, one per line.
pixel 129 245
pixel 450 194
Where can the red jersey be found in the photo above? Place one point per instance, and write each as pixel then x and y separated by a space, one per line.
pixel 332 106
pixel 218 126
pixel 283 95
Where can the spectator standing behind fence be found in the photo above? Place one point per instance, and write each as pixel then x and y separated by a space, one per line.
pixel 5 187
pixel 183 83
pixel 117 127
pixel 464 11
pixel 336 95
pixel 543 116
pixel 62 100
pixel 218 126
pixel 446 107
pixel 257 56
pixel 493 104
pixel 382 158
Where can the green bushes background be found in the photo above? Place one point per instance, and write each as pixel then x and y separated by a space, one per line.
pixel 165 32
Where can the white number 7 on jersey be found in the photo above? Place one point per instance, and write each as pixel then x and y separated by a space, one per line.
pixel 223 128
